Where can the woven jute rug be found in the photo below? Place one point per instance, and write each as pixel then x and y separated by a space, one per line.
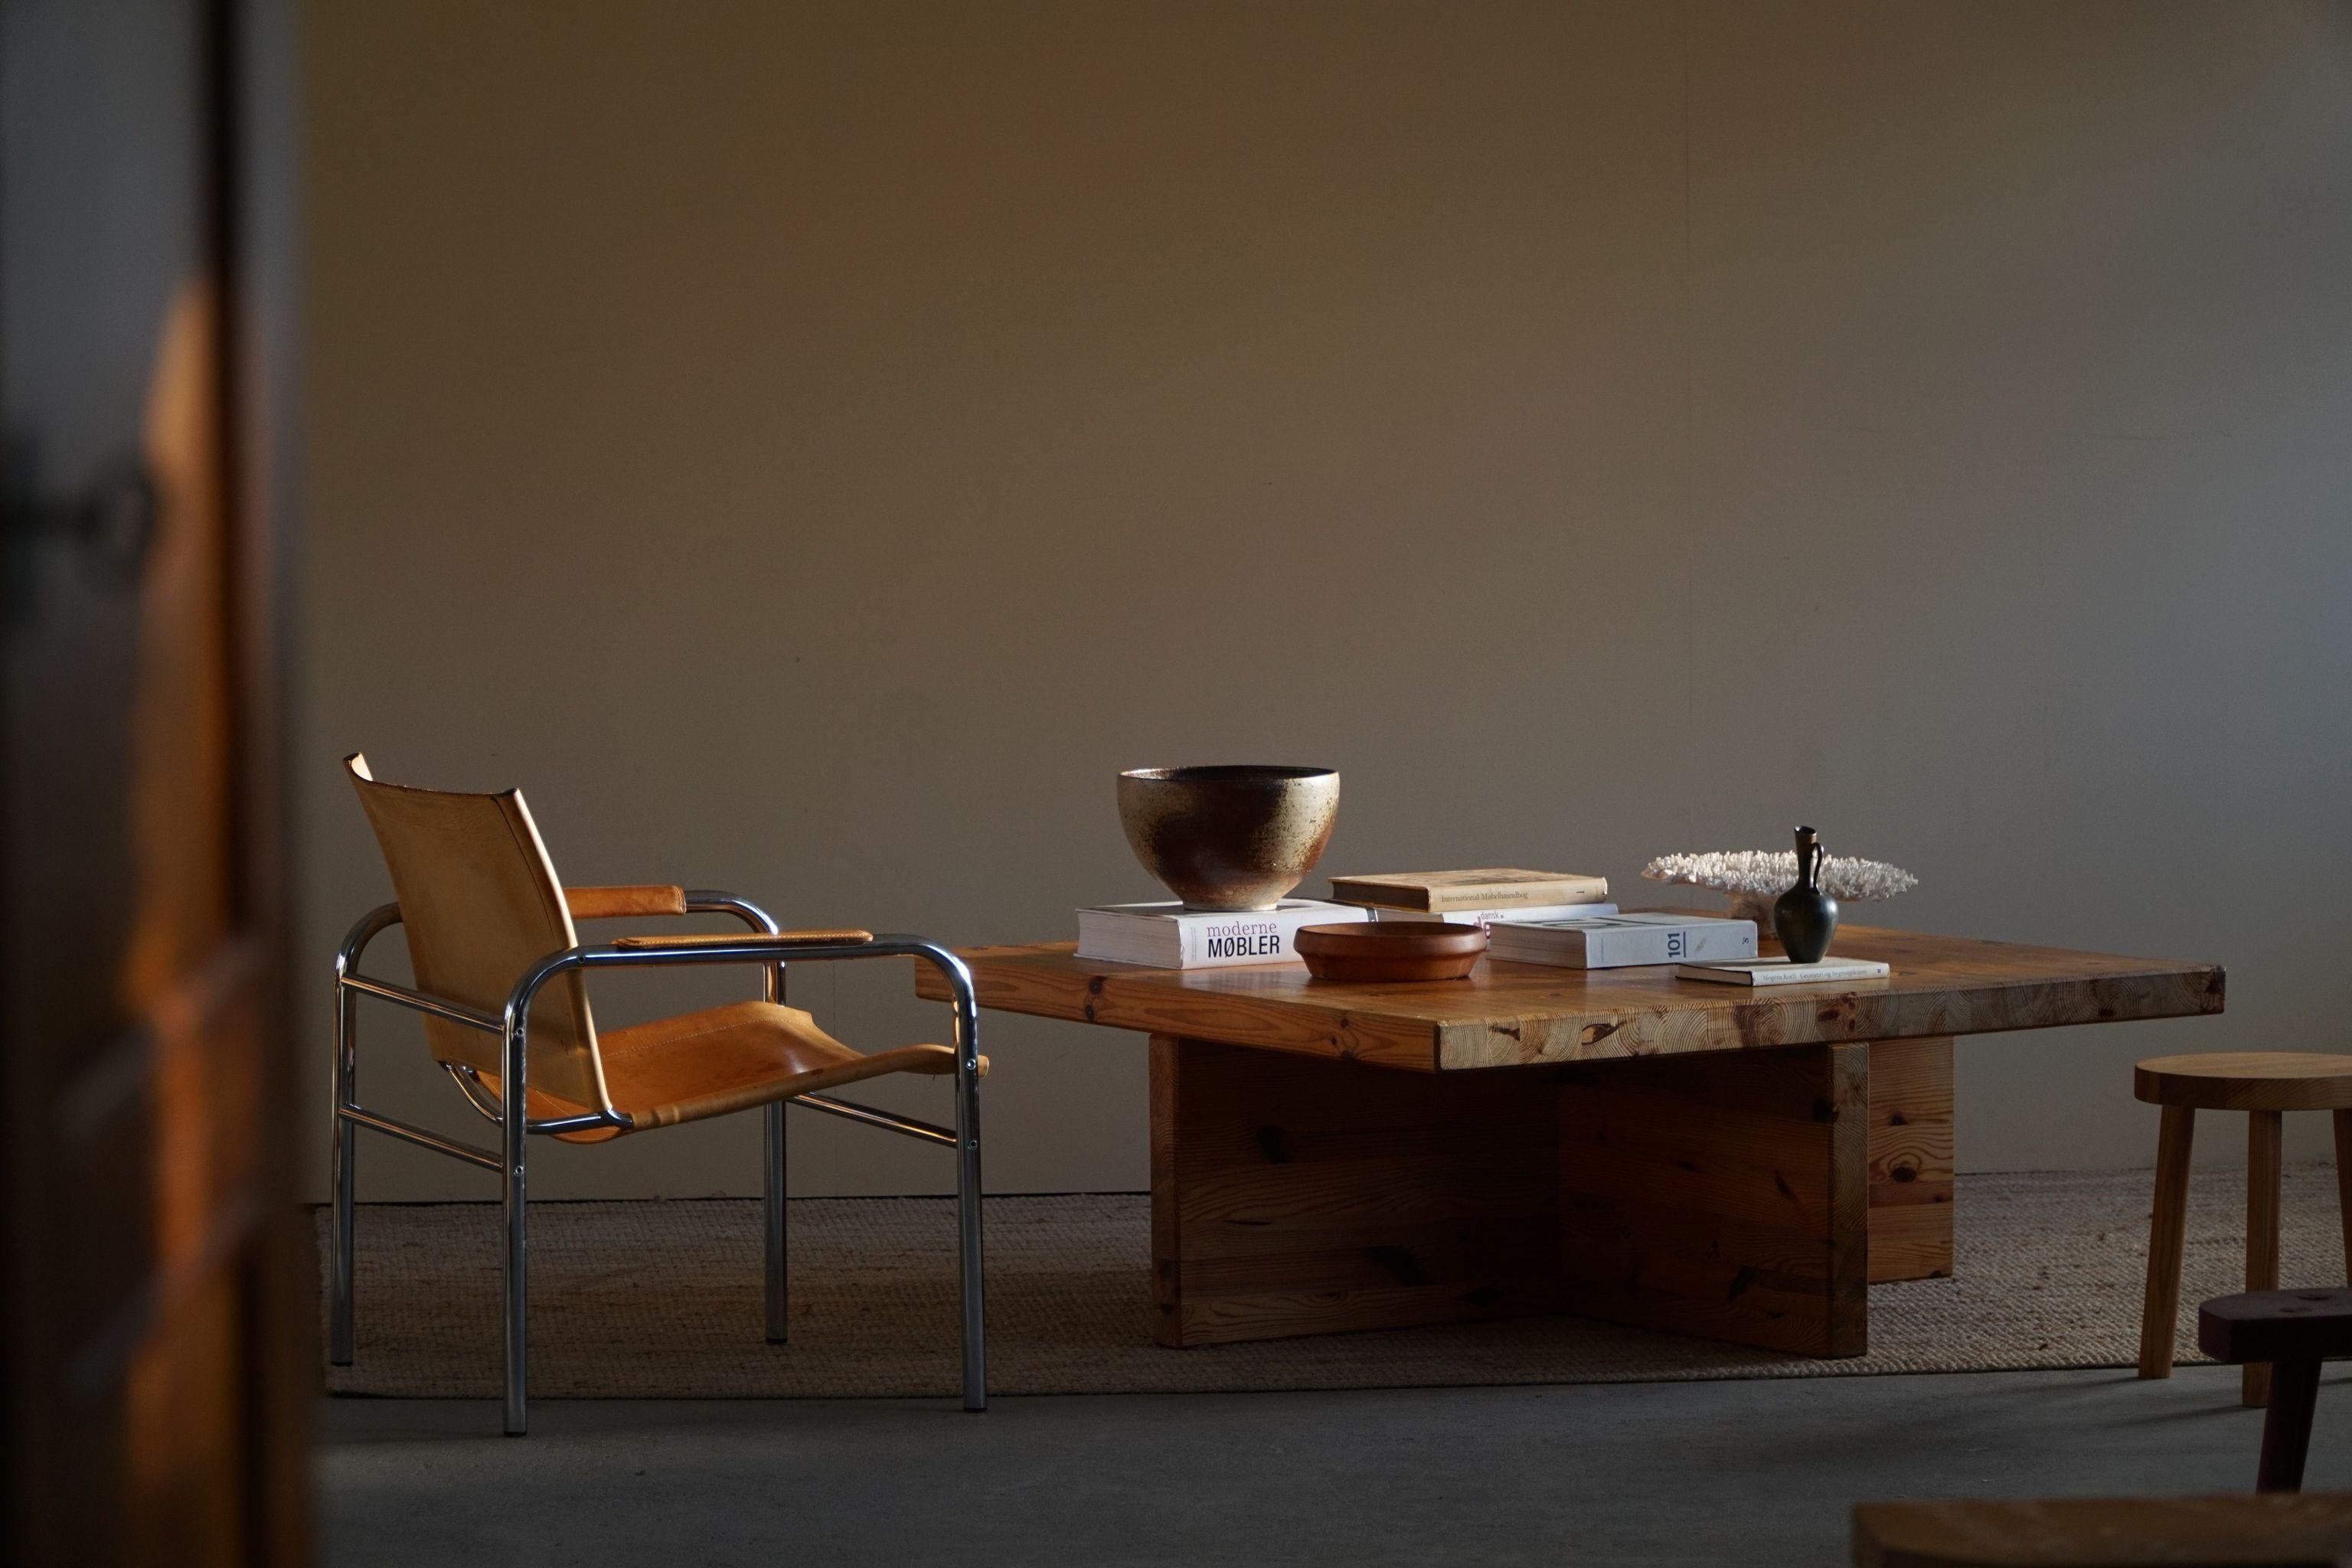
pixel 662 1300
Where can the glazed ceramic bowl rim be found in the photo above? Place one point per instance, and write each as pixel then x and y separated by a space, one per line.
pixel 1230 772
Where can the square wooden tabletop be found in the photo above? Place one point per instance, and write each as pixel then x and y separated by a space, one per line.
pixel 1518 1015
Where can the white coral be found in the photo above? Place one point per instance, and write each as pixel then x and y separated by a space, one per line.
pixel 1770 872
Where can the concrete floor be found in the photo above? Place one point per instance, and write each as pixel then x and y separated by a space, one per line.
pixel 1755 1473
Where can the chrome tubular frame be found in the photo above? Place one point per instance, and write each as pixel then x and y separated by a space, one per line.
pixel 515 1125
pixel 713 900
pixel 409 1132
pixel 873 1118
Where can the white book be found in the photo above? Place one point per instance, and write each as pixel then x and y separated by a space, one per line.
pixel 1486 918
pixel 1619 941
pixel 1781 971
pixel 1170 936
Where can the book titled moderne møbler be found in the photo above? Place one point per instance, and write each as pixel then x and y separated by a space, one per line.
pixel 1170 936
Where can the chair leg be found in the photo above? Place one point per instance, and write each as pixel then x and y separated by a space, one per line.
pixel 2286 1429
pixel 2263 1129
pixel 968 1247
pixel 772 1214
pixel 2160 1312
pixel 343 1171
pixel 2344 1184
pixel 518 1349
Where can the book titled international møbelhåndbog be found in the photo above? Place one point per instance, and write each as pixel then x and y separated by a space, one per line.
pixel 1619 941
pixel 1489 888
pixel 1489 916
pixel 1170 936
pixel 1781 971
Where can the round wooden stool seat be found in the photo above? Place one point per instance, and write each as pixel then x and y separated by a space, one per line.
pixel 2247 1081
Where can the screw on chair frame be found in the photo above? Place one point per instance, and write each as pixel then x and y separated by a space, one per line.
pixel 515 1126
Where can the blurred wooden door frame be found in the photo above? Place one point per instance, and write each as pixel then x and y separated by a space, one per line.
pixel 155 1295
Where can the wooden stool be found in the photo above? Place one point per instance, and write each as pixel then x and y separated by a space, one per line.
pixel 2264 1085
pixel 2280 1531
pixel 2294 1331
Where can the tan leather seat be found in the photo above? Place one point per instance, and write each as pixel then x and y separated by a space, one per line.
pixel 694 1065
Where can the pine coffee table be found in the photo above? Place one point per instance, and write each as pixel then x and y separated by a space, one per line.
pixel 1702 1159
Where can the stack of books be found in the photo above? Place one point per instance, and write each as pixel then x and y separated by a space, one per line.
pixel 1620 941
pixel 1477 897
pixel 1170 936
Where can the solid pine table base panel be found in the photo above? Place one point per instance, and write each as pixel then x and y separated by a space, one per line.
pixel 1724 1197
pixel 1727 1196
pixel 1910 1160
pixel 1296 1197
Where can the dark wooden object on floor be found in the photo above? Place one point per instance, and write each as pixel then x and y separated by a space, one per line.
pixel 2274 1532
pixel 1331 1155
pixel 2292 1332
pixel 157 1360
pixel 2265 1085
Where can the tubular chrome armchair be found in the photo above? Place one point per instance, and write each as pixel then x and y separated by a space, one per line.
pixel 499 980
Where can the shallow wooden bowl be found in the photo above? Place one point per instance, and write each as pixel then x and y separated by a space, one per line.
pixel 1392 950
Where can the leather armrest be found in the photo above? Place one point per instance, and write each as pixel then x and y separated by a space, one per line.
pixel 611 903
pixel 752 939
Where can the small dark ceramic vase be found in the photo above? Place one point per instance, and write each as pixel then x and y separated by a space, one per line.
pixel 1806 917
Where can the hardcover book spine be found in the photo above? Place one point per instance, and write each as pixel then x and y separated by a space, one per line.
pixel 1348 890
pixel 1623 948
pixel 1488 916
pixel 1208 941
pixel 1227 940
pixel 1516 895
pixel 1712 942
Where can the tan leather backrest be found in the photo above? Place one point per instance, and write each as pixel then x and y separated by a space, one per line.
pixel 480 903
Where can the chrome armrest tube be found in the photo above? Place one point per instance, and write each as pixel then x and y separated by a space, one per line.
pixel 717 900
pixel 721 949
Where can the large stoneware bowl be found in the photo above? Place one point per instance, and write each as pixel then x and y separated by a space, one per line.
pixel 1236 836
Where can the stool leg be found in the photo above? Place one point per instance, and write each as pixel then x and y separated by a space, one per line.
pixel 2344 1184
pixel 2286 1430
pixel 2162 1310
pixel 2262 1128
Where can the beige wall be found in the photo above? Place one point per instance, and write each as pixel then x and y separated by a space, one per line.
pixel 809 448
